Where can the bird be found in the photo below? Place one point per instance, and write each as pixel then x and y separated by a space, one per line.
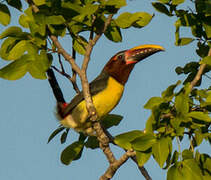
pixel 106 89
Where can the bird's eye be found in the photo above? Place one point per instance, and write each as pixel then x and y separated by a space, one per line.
pixel 120 57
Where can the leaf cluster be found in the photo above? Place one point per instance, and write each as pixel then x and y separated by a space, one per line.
pixel 59 18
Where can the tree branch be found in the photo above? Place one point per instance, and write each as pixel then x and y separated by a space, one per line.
pixel 199 73
pixel 141 168
pixel 116 165
pixel 66 56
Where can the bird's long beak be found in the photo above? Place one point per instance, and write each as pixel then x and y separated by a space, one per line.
pixel 139 53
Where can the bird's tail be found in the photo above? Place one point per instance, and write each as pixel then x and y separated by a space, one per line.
pixel 61 103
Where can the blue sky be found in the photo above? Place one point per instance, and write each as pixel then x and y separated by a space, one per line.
pixel 27 107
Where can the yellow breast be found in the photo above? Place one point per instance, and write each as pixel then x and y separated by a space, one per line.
pixel 104 102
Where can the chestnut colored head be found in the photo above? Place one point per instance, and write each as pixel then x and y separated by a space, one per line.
pixel 122 63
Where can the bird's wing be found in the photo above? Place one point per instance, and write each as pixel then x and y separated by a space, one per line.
pixel 97 85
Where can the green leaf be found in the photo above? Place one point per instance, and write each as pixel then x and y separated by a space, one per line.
pixel 12 31
pixel 79 44
pixel 192 169
pixel 39 66
pixel 181 103
pixel 116 3
pixel 63 137
pixel 164 1
pixel 142 157
pixel 24 20
pixel 183 41
pixel 15 3
pixel 123 140
pixel 142 19
pixel 187 169
pixel 57 30
pixel 187 154
pixel 161 150
pixel 174 173
pixel 202 50
pixel 6 46
pixel 198 137
pixel 54 133
pixel 161 8
pixel 113 33
pixel 149 124
pixel 18 50
pixel 16 69
pixel 169 92
pixel 206 60
pixel 200 116
pixel 175 157
pixel 92 142
pixel 139 19
pixel 55 20
pixel 39 2
pixel 72 152
pixel 111 120
pixel 89 9
pixel 152 102
pixel 177 2
pixel 4 14
pixel 143 142
pixel 123 20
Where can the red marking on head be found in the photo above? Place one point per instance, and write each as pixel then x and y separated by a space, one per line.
pixel 64 105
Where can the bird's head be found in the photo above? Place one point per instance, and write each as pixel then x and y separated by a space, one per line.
pixel 122 63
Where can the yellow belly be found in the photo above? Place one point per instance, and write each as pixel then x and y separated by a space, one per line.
pixel 104 102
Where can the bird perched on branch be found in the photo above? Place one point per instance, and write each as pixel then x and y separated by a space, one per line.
pixel 106 89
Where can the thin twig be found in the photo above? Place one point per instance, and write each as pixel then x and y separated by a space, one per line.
pixel 74 74
pixel 199 73
pixel 75 87
pixel 60 62
pixel 65 54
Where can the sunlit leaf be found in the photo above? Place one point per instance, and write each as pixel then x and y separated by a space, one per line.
pixel 123 140
pixel 187 154
pixel 206 60
pixel 79 44
pixel 200 116
pixel 39 2
pixel 16 69
pixel 113 33
pixel 11 32
pixel 142 157
pixel 116 3
pixel 143 142
pixel 152 102
pixel 183 41
pixel 4 14
pixel 54 19
pixel 161 150
pixel 176 2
